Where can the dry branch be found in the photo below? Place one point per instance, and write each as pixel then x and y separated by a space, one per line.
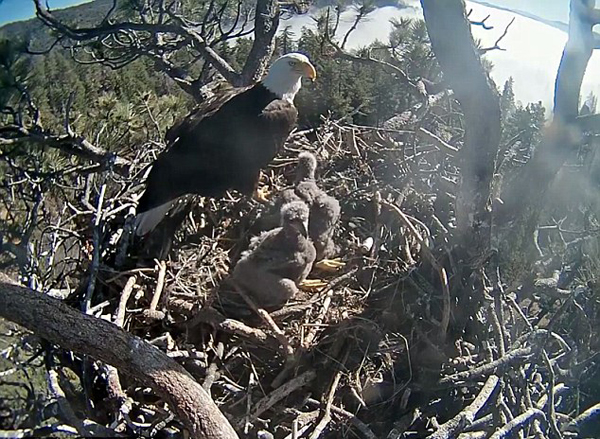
pixel 518 423
pixel 69 144
pixel 60 324
pixel 468 415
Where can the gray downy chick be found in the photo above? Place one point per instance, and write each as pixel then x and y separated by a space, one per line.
pixel 305 176
pixel 277 260
pixel 324 209
pixel 324 213
pixel 324 216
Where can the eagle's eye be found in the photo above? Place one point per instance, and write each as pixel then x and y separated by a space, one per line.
pixel 292 63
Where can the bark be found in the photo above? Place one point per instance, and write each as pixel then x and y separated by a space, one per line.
pixel 266 22
pixel 525 197
pixel 53 320
pixel 450 35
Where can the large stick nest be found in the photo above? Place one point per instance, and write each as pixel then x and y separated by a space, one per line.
pixel 401 339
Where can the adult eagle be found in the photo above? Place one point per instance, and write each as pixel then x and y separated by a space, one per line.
pixel 225 146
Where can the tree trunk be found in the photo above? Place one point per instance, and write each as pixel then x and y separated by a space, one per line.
pixel 56 322
pixel 524 198
pixel 450 34
pixel 266 22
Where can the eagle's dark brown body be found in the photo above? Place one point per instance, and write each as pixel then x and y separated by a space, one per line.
pixel 212 152
pixel 224 144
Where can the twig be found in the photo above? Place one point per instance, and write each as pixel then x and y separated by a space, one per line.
pixel 468 415
pixel 319 320
pixel 122 308
pixel 130 272
pixel 211 372
pixel 496 44
pixel 518 423
pixel 551 393
pixel 360 426
pixel 326 418
pixel 264 315
pixel 87 302
pixel 437 141
pixel 480 22
pixel 277 395
pixel 492 367
pixel 230 326
pixel 151 313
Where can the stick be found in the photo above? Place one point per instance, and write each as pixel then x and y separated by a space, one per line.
pixel 426 251
pixel 468 415
pixel 313 330
pixel 518 423
pixel 89 294
pixel 493 366
pixel 120 316
pixel 151 313
pixel 277 395
pixel 58 323
pixel 327 412
pixel 264 315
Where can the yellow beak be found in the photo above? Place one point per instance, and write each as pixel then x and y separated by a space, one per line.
pixel 308 71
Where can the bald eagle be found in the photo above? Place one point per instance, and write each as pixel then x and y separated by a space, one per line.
pixel 224 146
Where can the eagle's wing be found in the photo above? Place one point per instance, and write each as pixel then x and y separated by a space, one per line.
pixel 221 145
pixel 222 93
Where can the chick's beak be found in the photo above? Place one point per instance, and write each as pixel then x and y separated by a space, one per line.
pixel 308 71
pixel 302 228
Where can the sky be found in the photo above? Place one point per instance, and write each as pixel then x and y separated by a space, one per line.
pixel 549 9
pixel 532 54
pixel 532 49
pixel 15 10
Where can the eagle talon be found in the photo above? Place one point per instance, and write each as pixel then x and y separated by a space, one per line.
pixel 312 285
pixel 330 265
pixel 261 195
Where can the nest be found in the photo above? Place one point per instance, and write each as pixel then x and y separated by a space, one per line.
pixel 399 341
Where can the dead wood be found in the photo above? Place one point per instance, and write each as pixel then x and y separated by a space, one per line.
pixel 60 324
pixel 450 34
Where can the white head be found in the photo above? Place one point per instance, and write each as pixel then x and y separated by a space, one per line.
pixel 285 75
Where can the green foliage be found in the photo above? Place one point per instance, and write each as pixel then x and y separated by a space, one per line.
pixel 366 90
pixel 13 71
pixel 507 99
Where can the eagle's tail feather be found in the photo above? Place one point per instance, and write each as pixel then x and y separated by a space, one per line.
pixel 146 221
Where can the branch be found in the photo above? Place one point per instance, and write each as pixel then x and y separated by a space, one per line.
pixel 88 33
pixel 496 44
pixel 413 85
pixel 58 323
pixel 266 22
pixel 177 27
pixel 518 423
pixel 362 12
pixel 71 144
pixel 468 415
pixel 480 22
